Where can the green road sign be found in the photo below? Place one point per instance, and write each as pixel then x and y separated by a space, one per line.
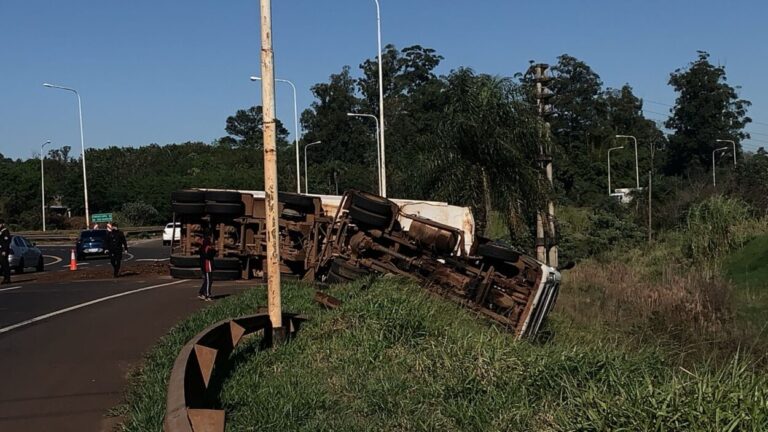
pixel 101 217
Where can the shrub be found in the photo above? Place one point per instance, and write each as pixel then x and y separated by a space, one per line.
pixel 711 228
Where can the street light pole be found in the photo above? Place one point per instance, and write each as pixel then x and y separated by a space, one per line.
pixel 610 191
pixel 637 167
pixel 295 129
pixel 42 180
pixel 82 148
pixel 714 182
pixel 733 144
pixel 306 178
pixel 382 162
pixel 378 149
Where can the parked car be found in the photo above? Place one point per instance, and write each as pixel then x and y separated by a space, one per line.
pixel 24 254
pixel 170 233
pixel 91 243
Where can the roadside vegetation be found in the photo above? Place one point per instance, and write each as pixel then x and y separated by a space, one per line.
pixel 395 358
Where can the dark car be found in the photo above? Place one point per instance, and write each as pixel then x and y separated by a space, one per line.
pixel 91 243
pixel 24 254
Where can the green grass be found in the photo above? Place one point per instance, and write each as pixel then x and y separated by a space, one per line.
pixel 393 358
pixel 747 268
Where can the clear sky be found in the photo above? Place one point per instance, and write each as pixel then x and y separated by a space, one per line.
pixel 166 71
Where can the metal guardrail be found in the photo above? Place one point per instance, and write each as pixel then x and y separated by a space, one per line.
pixel 71 235
pixel 188 404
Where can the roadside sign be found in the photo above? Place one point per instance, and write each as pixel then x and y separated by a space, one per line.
pixel 101 217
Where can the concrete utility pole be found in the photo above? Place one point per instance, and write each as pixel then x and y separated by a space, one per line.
pixel 42 180
pixel 714 181
pixel 270 170
pixel 295 128
pixel 383 165
pixel 546 251
pixel 733 144
pixel 650 219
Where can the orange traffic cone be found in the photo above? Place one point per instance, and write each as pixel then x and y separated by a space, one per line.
pixel 72 261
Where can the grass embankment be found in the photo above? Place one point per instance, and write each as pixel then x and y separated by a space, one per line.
pixel 393 358
pixel 747 269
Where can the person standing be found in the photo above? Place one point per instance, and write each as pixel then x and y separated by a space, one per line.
pixel 5 252
pixel 116 243
pixel 207 252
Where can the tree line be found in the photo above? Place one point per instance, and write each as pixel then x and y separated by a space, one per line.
pixel 467 138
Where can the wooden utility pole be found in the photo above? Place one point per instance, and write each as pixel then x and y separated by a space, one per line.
pixel 650 197
pixel 270 169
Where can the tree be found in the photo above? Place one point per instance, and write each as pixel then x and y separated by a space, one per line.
pixel 483 152
pixel 246 126
pixel 707 108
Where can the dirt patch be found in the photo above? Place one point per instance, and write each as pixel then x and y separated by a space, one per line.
pixel 128 270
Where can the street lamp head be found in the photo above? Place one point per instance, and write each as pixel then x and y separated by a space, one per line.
pixel 47 85
pixel 721 149
pixel 255 78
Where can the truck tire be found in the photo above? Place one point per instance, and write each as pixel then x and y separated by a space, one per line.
pixel 223 197
pixel 186 273
pixel 499 252
pixel 188 196
pixel 372 203
pixel 367 219
pixel 226 264
pixel 188 209
pixel 186 261
pixel 298 202
pixel 225 209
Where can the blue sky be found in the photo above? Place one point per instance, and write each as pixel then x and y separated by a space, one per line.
pixel 167 71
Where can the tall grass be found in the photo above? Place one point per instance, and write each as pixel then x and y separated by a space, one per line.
pixel 393 358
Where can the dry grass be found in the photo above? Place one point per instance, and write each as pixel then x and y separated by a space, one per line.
pixel 680 307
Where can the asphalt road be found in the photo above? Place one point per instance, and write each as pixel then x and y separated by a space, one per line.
pixel 57 256
pixel 66 346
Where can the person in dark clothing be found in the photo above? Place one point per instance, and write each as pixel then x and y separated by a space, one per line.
pixel 116 243
pixel 207 252
pixel 5 252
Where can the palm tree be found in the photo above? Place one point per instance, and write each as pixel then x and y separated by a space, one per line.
pixel 485 149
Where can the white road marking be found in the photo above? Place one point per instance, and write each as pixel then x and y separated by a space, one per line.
pixel 10 288
pixel 153 259
pixel 58 259
pixel 128 259
pixel 82 305
pixel 78 264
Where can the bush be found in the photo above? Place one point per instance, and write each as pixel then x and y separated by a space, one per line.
pixel 711 229
pixel 138 214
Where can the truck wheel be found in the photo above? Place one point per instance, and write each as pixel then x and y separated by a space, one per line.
pixel 188 209
pixel 372 203
pixel 227 264
pixel 367 219
pixel 298 202
pixel 185 261
pixel 225 209
pixel 188 196
pixel 186 273
pixel 223 197
pixel 495 251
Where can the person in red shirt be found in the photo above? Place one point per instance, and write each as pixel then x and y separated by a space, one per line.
pixel 207 252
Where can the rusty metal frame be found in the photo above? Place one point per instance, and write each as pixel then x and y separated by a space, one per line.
pixel 190 404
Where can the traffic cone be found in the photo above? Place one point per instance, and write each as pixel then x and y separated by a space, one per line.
pixel 72 261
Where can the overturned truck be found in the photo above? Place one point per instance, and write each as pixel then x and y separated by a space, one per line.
pixel 367 234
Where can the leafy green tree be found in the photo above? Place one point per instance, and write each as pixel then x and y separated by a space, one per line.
pixel 707 108
pixel 246 129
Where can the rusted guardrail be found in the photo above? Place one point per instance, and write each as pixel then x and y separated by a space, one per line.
pixel 189 402
pixel 66 235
